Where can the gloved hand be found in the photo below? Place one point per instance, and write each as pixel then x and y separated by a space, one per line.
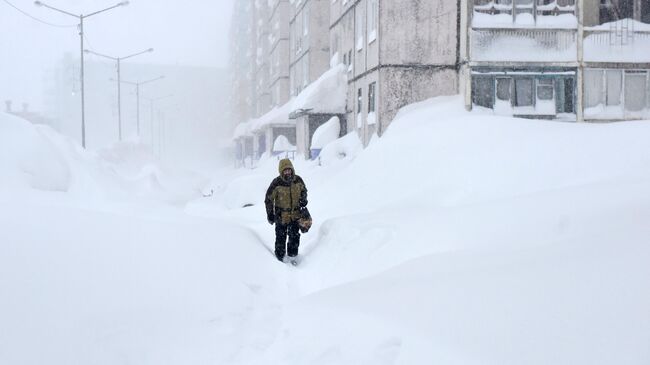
pixel 270 218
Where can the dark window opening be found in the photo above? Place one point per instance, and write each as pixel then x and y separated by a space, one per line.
pixel 568 96
pixel 503 88
pixel 612 10
pixel 483 91
pixel 523 92
pixel 359 100
pixel 371 97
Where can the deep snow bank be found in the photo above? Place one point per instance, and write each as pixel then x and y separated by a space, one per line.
pixel 37 157
pixel 467 238
pixel 30 159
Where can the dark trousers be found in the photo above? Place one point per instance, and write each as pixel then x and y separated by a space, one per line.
pixel 281 233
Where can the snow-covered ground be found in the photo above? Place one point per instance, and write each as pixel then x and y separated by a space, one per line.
pixel 456 238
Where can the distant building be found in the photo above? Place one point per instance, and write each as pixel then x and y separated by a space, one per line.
pixel 25 113
pixel 193 98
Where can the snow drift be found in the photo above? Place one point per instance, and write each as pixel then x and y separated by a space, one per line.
pixel 37 157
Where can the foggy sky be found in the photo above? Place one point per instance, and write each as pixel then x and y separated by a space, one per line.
pixel 188 32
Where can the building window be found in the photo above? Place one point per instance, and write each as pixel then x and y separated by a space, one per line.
pixel 483 91
pixel 635 91
pixel 305 69
pixel 372 20
pixel 305 20
pixel 359 101
pixel 545 89
pixel 503 88
pixel 292 36
pixel 371 97
pixel 523 92
pixel 614 84
pixel 611 94
pixel 359 28
pixel 350 61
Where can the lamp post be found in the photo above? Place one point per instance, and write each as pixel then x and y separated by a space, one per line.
pixel 152 101
pixel 119 84
pixel 81 18
pixel 137 94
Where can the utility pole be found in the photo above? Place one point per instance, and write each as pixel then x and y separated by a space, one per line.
pixel 119 83
pixel 152 101
pixel 81 18
pixel 137 94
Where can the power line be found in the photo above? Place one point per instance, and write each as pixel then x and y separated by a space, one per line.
pixel 90 46
pixel 35 18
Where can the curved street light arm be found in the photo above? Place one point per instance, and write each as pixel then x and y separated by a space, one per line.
pixel 124 3
pixel 152 80
pixel 136 54
pixel 100 55
pixel 38 3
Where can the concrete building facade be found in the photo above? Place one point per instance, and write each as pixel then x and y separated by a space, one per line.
pixel 392 62
pixel 557 59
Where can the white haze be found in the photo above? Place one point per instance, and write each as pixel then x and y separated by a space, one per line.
pixel 183 33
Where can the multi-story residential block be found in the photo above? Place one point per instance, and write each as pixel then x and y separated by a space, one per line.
pixel 556 59
pixel 269 124
pixel 523 57
pixel 309 61
pixel 262 62
pixel 616 60
pixel 584 60
pixel 243 93
pixel 309 54
pixel 397 52
pixel 242 69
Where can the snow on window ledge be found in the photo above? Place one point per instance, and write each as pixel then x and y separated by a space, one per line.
pixel 360 44
pixel 372 36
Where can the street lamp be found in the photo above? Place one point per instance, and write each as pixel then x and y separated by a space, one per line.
pixel 152 101
pixel 81 18
pixel 137 94
pixel 119 84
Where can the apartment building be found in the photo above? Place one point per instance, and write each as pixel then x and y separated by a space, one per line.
pixel 279 51
pixel 616 51
pixel 311 84
pixel 241 67
pixel 392 62
pixel 557 59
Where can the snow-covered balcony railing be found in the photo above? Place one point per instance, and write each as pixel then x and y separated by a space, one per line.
pixel 622 41
pixel 523 45
pixel 556 14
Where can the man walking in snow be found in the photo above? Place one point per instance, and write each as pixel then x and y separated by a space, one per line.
pixel 285 198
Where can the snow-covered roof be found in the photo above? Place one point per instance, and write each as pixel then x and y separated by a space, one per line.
pixel 277 115
pixel 325 95
pixel 241 130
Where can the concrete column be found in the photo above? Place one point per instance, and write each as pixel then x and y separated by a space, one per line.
pixel 580 72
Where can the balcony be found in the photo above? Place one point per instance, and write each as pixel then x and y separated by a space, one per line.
pixel 523 45
pixel 622 41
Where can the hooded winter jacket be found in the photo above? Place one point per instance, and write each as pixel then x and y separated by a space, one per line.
pixel 284 198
